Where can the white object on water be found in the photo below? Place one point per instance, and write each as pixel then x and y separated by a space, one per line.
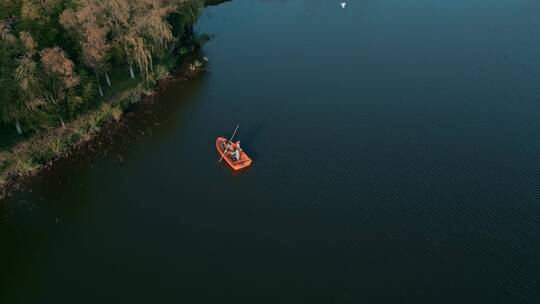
pixel 343 4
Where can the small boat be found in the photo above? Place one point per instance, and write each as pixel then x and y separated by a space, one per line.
pixel 232 153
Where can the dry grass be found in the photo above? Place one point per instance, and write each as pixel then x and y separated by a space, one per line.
pixel 29 156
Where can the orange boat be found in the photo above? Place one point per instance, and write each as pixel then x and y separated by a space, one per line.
pixel 232 153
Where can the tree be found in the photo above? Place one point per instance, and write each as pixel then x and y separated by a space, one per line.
pixel 8 51
pixel 19 80
pixel 39 17
pixel 9 8
pixel 185 15
pixel 94 53
pixel 153 25
pixel 91 27
pixel 60 77
pixel 140 31
pixel 30 89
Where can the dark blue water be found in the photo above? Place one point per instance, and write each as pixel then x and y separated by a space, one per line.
pixel 396 160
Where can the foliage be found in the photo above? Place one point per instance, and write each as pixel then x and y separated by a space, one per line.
pixel 56 54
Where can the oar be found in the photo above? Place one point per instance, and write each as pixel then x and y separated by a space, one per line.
pixel 234 133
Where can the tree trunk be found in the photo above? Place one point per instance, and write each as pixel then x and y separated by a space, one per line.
pixel 107 78
pixel 18 127
pixel 62 121
pixel 131 72
pixel 98 83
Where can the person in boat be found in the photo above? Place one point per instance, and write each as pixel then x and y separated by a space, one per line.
pixel 236 151
pixel 226 145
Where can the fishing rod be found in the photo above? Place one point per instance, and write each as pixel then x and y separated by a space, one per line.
pixel 226 146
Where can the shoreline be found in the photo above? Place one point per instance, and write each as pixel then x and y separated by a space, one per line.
pixel 40 151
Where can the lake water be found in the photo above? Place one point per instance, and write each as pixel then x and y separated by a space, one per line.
pixel 396 160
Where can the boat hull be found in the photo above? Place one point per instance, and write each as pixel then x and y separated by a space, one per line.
pixel 236 165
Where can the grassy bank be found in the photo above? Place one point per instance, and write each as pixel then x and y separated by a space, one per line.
pixel 40 150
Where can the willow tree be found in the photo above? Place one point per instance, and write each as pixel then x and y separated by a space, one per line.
pixel 39 18
pixel 90 25
pixel 19 80
pixel 154 27
pixel 8 101
pixel 30 93
pixel 94 53
pixel 59 78
pixel 140 31
pixel 184 17
pixel 136 53
pixel 122 31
